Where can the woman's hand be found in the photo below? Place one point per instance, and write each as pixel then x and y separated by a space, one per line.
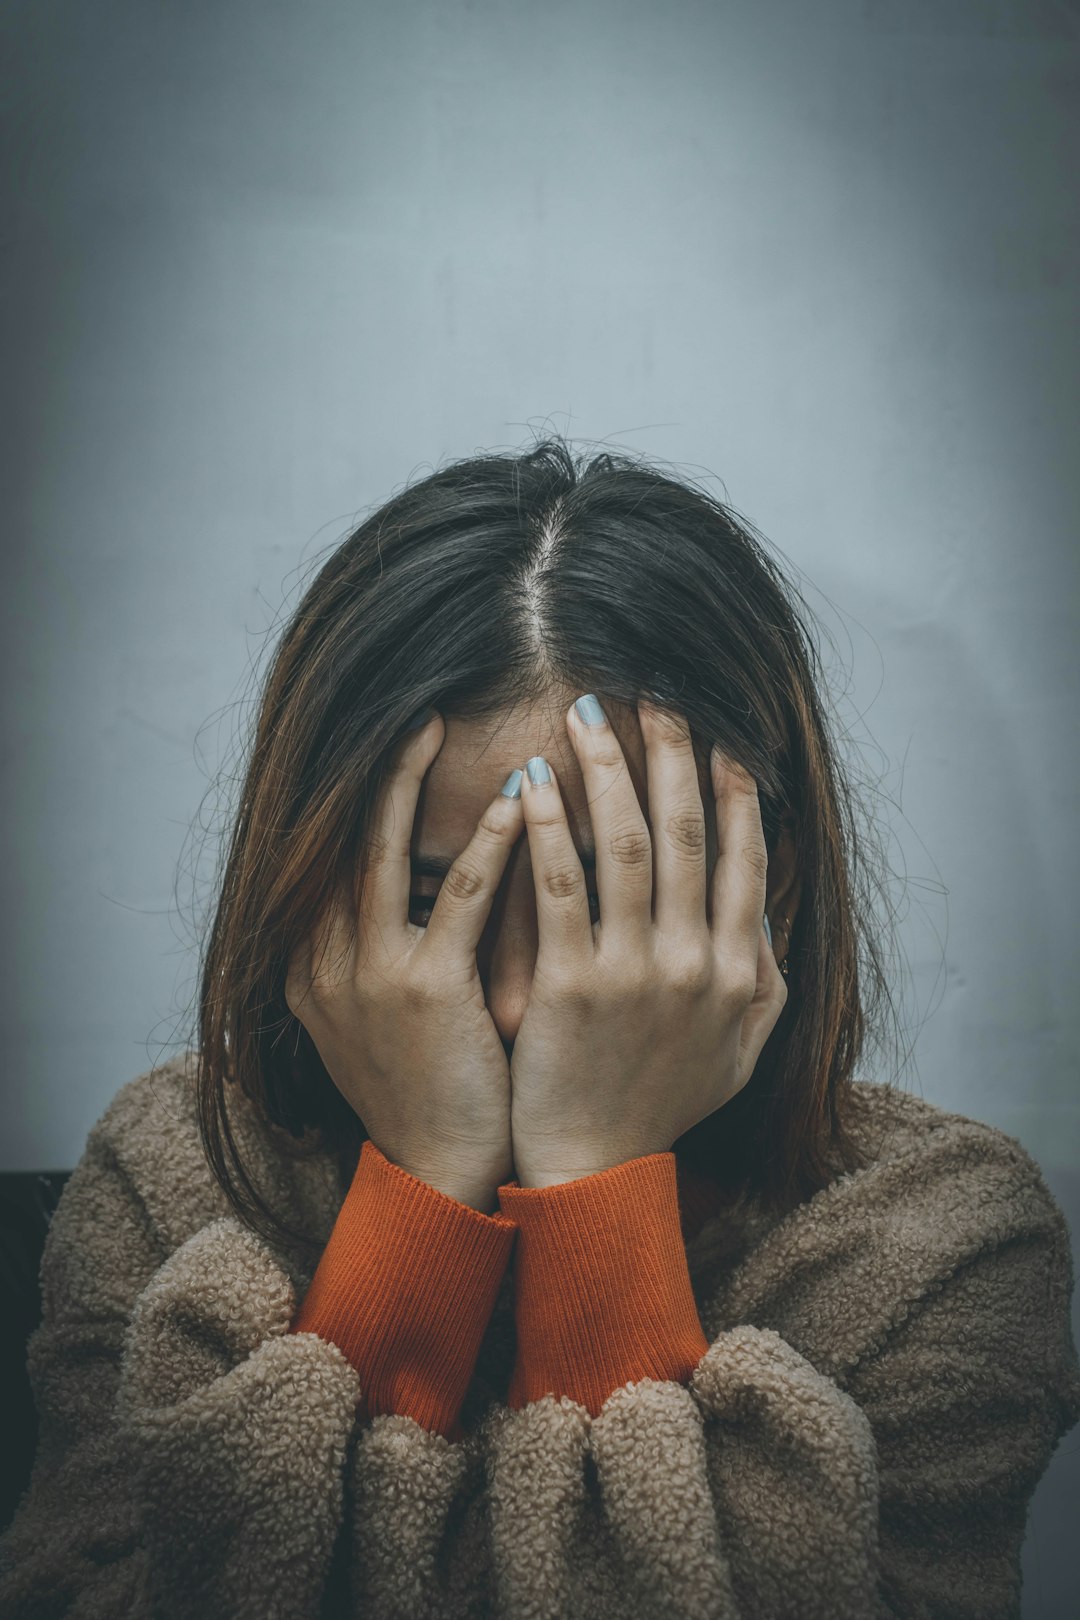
pixel 397 1013
pixel 644 1023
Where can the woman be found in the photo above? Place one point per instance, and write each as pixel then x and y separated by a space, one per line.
pixel 516 1237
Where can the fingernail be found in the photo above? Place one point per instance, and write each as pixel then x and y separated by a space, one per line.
pixel 538 771
pixel 768 930
pixel 511 788
pixel 590 711
pixel 421 719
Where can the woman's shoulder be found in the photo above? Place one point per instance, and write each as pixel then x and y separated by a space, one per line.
pixel 931 1191
pixel 937 1197
pixel 147 1138
pixel 161 1107
pixel 934 1182
pixel 160 1101
pixel 149 1134
pixel 902 1136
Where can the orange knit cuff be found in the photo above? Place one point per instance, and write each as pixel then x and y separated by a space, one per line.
pixel 602 1293
pixel 405 1287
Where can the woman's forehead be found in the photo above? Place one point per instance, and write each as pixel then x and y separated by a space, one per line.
pixel 516 734
pixel 477 755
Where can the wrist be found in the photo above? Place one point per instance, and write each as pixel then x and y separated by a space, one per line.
pixel 479 1195
pixel 550 1178
pixel 479 1192
pixel 560 1162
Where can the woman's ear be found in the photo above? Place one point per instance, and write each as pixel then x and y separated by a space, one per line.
pixel 783 887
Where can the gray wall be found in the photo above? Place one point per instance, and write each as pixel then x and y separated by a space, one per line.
pixel 264 263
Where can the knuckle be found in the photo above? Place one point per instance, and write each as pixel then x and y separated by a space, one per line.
pixel 674 732
pixel 741 779
pixel 325 982
pixel 606 751
pixel 631 848
pixel 315 983
pixel 693 971
pixel 417 990
pixel 299 990
pixel 740 984
pixel 295 979
pixel 493 824
pixel 562 882
pixel 636 983
pixel 575 992
pixel 379 849
pixel 317 992
pixel 755 857
pixel 685 831
pixel 463 882
pixel 625 975
pixel 333 961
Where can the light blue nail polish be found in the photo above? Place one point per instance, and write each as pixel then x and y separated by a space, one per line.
pixel 511 788
pixel 538 771
pixel 768 930
pixel 590 710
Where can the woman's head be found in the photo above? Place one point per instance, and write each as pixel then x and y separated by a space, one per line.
pixel 497 590
pixel 476 757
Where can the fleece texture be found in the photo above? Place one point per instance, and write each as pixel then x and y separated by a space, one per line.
pixel 617 1396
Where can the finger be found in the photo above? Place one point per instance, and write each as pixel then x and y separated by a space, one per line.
pixel 677 815
pixel 464 901
pixel 319 962
pixel 384 904
pixel 562 900
pixel 624 853
pixel 326 942
pixel 759 1020
pixel 298 976
pixel 738 882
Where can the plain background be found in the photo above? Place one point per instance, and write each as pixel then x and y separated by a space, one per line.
pixel 263 264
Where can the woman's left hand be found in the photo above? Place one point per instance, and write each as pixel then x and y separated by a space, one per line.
pixel 644 1023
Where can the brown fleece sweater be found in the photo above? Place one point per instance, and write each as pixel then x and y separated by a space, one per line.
pixel 614 1396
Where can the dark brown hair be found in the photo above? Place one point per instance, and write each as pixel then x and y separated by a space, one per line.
pixel 482 586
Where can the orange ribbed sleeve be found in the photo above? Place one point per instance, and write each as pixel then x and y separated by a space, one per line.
pixel 602 1293
pixel 405 1288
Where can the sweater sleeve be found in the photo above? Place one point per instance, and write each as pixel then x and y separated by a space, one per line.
pixel 405 1287
pixel 602 1290
pixel 190 1456
pixel 873 1453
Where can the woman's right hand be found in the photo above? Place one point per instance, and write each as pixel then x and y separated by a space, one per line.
pixel 398 1015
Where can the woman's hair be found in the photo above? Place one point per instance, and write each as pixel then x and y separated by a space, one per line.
pixel 487 584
